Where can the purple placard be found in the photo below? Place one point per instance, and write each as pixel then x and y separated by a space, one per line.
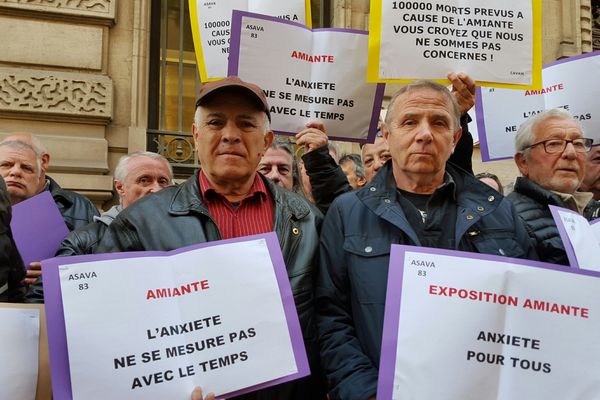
pixel 391 319
pixel 393 301
pixel 37 227
pixel 484 147
pixel 55 319
pixel 563 233
pixel 234 63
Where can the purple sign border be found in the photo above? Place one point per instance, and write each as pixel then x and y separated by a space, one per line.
pixel 563 233
pixel 483 143
pixel 234 63
pixel 57 339
pixel 389 345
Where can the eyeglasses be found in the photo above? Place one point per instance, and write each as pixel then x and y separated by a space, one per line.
pixel 553 146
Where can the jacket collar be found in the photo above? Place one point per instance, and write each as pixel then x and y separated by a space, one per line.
pixel 58 193
pixel 474 199
pixel 529 188
pixel 187 199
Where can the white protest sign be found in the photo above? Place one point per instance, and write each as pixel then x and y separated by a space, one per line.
pixel 496 42
pixel 308 75
pixel 163 323
pixel 572 84
pixel 581 242
pixel 19 346
pixel 211 27
pixel 471 326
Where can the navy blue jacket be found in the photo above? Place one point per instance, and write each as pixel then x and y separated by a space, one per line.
pixel 354 255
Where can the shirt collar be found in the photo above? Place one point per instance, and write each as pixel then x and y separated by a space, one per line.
pixel 206 188
pixel 576 201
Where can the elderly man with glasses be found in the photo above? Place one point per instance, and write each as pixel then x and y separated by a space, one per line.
pixel 551 155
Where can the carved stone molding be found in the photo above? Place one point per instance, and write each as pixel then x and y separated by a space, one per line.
pixel 102 11
pixel 58 96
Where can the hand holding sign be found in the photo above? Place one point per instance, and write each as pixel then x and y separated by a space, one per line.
pixel 313 137
pixel 463 88
pixel 197 395
pixel 33 272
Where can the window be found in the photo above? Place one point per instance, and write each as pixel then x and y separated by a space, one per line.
pixel 175 83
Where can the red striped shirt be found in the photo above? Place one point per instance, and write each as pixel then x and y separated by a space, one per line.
pixel 252 215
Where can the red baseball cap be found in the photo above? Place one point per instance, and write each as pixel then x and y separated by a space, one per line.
pixel 233 82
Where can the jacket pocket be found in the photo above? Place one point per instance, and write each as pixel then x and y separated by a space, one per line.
pixel 497 242
pixel 368 259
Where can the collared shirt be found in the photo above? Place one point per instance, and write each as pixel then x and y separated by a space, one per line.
pixel 252 215
pixel 433 217
pixel 576 201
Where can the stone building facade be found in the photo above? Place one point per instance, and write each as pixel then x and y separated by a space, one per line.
pixel 91 77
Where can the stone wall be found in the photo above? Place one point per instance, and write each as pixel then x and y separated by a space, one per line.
pixel 74 74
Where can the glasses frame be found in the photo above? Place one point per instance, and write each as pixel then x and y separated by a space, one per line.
pixel 587 142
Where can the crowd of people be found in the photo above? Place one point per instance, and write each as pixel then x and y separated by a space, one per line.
pixel 336 216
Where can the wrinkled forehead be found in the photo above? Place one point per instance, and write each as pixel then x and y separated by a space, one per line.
pixel 22 154
pixel 378 145
pixel 557 128
pixel 277 156
pixel 423 98
pixel 143 164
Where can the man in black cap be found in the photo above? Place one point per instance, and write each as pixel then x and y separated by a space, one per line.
pixel 227 198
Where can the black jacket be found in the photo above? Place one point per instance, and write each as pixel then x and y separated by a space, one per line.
pixel 76 209
pixel 532 201
pixel 177 216
pixel 356 240
pixel 328 181
pixel 11 265
pixel 85 240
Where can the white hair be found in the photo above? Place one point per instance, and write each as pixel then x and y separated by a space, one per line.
pixel 526 132
pixel 18 144
pixel 122 169
pixel 430 85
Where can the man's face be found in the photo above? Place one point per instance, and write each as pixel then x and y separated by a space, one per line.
pixel 276 165
pixel 591 179
pixel 20 171
pixel 561 172
pixel 374 156
pixel 354 180
pixel 145 175
pixel 421 134
pixel 230 138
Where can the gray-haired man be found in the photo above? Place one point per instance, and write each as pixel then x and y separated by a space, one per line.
pixel 551 155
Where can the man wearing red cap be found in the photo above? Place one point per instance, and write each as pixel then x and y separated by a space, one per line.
pixel 227 198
